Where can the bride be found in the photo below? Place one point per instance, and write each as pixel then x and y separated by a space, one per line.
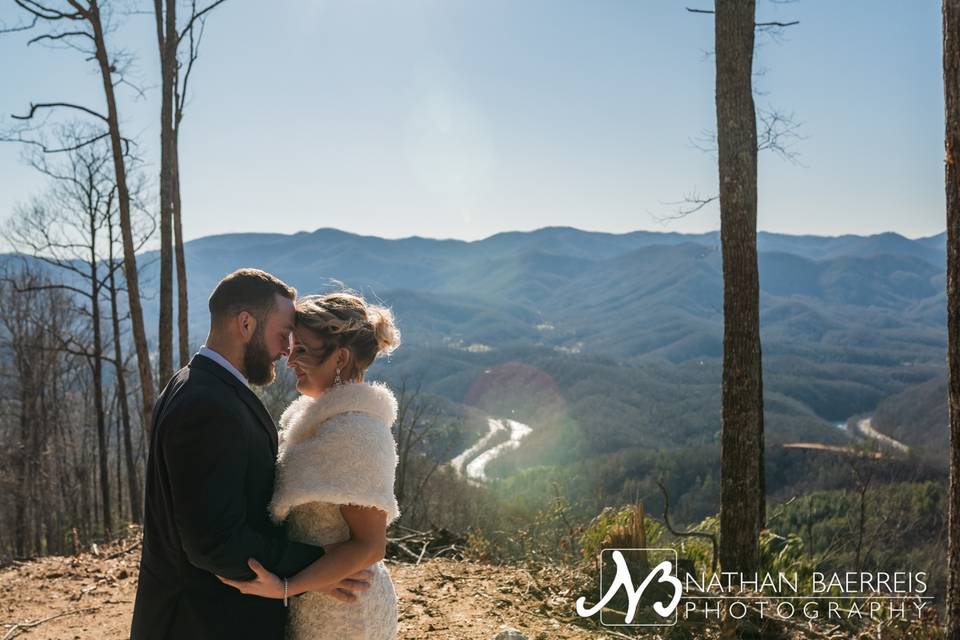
pixel 335 471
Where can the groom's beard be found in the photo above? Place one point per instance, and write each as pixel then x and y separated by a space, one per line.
pixel 257 363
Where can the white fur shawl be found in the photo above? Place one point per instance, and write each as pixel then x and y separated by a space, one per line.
pixel 338 448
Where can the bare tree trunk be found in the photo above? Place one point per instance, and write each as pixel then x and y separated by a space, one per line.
pixel 55 514
pixel 183 325
pixel 167 40
pixel 133 482
pixel 24 343
pixel 951 90
pixel 741 495
pixel 175 77
pixel 119 476
pixel 96 362
pixel 126 230
pixel 20 500
pixel 66 490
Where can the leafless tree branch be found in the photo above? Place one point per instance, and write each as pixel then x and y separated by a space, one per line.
pixel 690 204
pixel 43 147
pixel 59 36
pixel 774 28
pixel 34 107
pixel 199 15
pixel 21 27
pixel 44 12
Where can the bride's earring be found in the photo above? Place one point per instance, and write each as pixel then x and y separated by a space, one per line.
pixel 337 381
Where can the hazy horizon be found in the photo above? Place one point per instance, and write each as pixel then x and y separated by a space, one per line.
pixel 505 231
pixel 152 246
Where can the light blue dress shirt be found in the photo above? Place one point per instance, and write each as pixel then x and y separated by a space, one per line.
pixel 207 352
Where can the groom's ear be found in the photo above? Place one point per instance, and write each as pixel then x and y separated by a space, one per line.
pixel 246 324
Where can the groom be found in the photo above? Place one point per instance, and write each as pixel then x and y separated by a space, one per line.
pixel 210 478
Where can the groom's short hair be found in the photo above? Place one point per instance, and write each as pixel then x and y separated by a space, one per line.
pixel 250 290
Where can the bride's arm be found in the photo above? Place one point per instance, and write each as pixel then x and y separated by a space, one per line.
pixel 366 546
pixel 343 560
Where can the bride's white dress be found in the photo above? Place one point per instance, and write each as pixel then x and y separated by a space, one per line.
pixel 317 615
pixel 334 450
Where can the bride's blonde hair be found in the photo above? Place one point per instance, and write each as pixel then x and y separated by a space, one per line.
pixel 345 319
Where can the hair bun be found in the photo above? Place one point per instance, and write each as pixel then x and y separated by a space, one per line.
pixel 385 330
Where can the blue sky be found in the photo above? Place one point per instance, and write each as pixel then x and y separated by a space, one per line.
pixel 453 119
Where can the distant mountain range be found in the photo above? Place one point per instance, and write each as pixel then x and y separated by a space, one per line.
pixel 853 298
pixel 846 321
pixel 609 345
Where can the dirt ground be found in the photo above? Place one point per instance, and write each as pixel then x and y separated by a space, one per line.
pixel 91 596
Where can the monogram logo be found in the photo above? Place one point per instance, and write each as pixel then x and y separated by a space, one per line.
pixel 623 580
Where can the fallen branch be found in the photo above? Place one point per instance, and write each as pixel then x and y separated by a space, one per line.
pixel 422 551
pixel 433 544
pixel 123 551
pixel 23 626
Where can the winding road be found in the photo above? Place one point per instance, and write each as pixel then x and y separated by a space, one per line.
pixel 481 453
pixel 865 429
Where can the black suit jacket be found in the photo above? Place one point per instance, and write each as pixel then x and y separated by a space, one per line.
pixel 209 480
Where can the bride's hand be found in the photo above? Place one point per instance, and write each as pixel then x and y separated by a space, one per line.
pixel 348 589
pixel 265 585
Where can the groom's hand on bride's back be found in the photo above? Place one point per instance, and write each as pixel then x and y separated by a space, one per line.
pixel 348 589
